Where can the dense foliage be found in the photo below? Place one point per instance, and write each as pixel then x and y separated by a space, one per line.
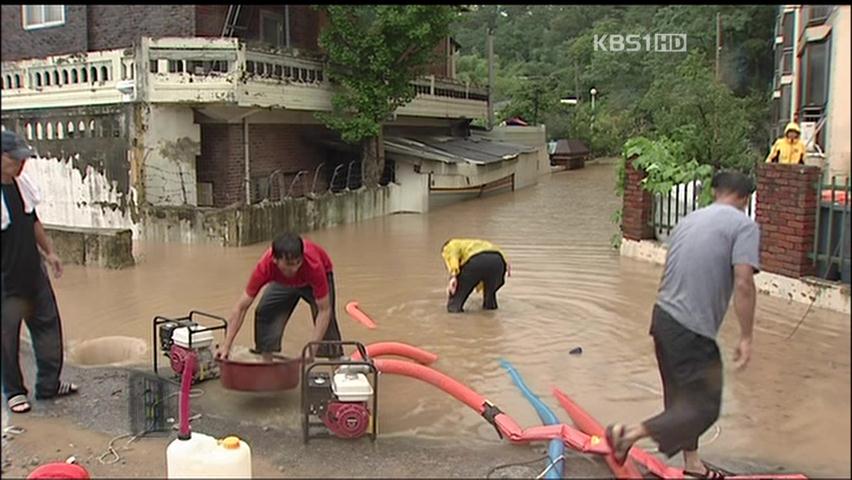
pixel 546 52
pixel 374 52
pixel 667 111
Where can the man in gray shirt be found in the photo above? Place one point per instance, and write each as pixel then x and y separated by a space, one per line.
pixel 713 253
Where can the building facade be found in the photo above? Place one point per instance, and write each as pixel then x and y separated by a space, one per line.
pixel 200 106
pixel 812 79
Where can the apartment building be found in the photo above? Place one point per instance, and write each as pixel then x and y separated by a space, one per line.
pixel 812 80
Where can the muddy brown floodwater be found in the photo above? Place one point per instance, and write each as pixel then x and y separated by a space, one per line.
pixel 568 288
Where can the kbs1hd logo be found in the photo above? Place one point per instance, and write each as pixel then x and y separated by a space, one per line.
pixel 658 42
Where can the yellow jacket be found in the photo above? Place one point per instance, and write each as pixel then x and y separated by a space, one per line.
pixel 458 251
pixel 786 151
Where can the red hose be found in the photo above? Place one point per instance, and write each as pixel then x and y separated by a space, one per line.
pixel 450 385
pixel 587 424
pixel 410 352
pixel 504 423
pixel 185 386
pixel 354 311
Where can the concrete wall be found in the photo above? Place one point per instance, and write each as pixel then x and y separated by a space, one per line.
pixel 831 296
pixel 171 142
pixel 106 248
pixel 245 225
pixel 81 199
pixel 82 165
pixel 414 192
pixel 839 124
pixel 535 137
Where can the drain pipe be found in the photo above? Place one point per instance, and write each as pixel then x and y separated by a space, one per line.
pixel 247 159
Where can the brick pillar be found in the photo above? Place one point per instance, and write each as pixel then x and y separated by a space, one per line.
pixel 786 212
pixel 638 206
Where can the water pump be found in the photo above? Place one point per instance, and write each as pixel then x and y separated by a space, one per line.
pixel 179 338
pixel 339 396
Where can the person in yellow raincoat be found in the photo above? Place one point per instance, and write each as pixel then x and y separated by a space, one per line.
pixel 790 149
pixel 473 264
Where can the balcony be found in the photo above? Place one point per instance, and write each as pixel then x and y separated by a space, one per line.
pixel 66 81
pixel 219 71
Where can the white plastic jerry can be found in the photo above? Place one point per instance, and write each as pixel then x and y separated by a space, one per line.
pixel 202 456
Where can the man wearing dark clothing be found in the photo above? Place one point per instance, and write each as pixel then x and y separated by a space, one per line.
pixel 27 294
pixel 713 253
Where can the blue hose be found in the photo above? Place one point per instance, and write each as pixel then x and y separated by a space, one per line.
pixel 556 448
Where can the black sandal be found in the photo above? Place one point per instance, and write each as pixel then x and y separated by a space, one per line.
pixel 19 404
pixel 64 390
pixel 618 454
pixel 710 473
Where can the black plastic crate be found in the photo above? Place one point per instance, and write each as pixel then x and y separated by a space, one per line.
pixel 152 404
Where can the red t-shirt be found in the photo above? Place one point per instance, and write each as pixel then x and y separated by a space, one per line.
pixel 313 273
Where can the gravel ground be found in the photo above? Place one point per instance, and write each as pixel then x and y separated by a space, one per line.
pixel 83 426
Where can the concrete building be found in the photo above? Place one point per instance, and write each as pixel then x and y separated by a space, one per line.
pixel 136 108
pixel 812 79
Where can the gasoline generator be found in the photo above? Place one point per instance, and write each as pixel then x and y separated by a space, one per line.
pixel 178 338
pixel 339 397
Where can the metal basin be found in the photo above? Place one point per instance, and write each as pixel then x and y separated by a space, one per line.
pixel 282 374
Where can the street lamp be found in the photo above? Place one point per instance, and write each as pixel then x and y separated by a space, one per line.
pixel 594 92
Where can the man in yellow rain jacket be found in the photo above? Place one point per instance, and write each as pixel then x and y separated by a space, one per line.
pixel 790 149
pixel 473 264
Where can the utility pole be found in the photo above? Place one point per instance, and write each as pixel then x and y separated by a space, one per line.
pixel 576 79
pixel 718 43
pixel 490 48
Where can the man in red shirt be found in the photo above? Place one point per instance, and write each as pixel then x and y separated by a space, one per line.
pixel 295 269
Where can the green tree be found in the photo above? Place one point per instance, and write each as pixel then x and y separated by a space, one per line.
pixel 374 52
pixel 691 107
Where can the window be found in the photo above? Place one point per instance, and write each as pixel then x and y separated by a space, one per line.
pixel 787 31
pixel 818 14
pixel 176 66
pixel 787 61
pixel 786 103
pixel 272 29
pixel 42 16
pixel 814 91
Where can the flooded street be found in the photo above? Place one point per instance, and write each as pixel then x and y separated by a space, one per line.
pixel 568 289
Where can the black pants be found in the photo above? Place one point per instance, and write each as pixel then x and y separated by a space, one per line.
pixel 41 316
pixel 274 311
pixel 691 370
pixel 486 267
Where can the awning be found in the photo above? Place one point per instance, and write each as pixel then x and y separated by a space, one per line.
pixel 473 150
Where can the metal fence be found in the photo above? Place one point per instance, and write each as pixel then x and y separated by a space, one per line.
pixel 831 254
pixel 323 179
pixel 679 202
